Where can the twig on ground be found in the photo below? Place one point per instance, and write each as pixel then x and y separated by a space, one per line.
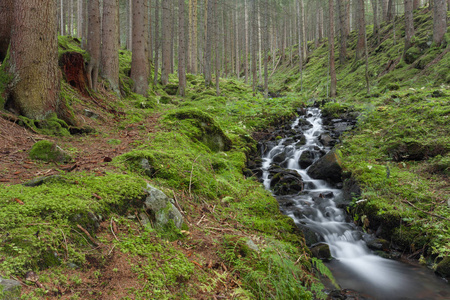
pixel 201 219
pixel 112 230
pixel 88 234
pixel 425 212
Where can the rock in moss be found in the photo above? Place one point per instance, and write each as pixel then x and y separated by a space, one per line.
pixel 161 209
pixel 443 268
pixel 171 89
pixel 9 289
pixel 48 151
pixel 321 251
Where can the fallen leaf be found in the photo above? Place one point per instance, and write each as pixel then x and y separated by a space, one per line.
pixel 19 201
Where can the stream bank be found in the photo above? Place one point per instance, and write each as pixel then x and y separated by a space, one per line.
pixel 296 164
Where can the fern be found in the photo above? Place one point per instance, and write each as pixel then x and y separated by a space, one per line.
pixel 323 270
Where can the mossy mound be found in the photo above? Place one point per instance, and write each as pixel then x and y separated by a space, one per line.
pixel 49 152
pixel 202 127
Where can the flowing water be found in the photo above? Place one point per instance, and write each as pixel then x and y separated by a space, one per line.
pixel 316 207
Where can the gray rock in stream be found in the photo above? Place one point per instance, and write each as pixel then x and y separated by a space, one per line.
pixel 327 168
pixel 161 209
pixel 321 251
pixel 9 289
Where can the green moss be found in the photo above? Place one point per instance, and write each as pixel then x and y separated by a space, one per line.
pixel 70 44
pixel 50 214
pixel 48 151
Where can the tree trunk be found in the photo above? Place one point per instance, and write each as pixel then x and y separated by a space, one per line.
pixel 34 60
pixel 409 24
pixel 246 41
pixel 110 44
pixel 238 61
pixel 266 49
pixel 157 43
pixel 139 68
pixel 343 32
pixel 6 21
pixel 93 43
pixel 216 47
pixel 416 4
pixel 439 21
pixel 193 37
pixel 331 45
pixel 390 10
pixel 304 37
pixel 85 25
pixel 384 9
pixel 166 27
pixel 376 26
pixel 361 30
pixel 209 42
pixel 254 45
pixel 79 18
pixel 181 50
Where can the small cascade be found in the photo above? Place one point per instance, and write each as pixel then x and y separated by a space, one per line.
pixel 316 208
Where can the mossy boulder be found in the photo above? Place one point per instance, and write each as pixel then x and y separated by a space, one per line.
pixel 202 127
pixel 321 251
pixel 412 54
pixel 49 152
pixel 328 167
pixel 171 89
pixel 443 268
pixel 161 209
pixel 9 289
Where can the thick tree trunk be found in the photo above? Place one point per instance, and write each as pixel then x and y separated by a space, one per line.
pixel 157 43
pixel 139 67
pixel 384 9
pixel 409 23
pixel 6 19
pixel 85 22
pixel 416 4
pixel 390 10
pixel 166 34
pixel 439 21
pixel 181 50
pixel 331 46
pixel 93 43
pixel 34 60
pixel 216 47
pixel 110 44
pixel 361 30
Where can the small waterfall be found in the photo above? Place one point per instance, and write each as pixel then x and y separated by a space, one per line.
pixel 354 265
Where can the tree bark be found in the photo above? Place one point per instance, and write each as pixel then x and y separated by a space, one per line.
pixel 343 31
pixel 157 43
pixel 409 24
pixel 166 34
pixel 139 67
pixel 390 10
pixel 331 46
pixel 110 44
pixel 360 44
pixel 181 50
pixel 6 20
pixel 246 41
pixel 254 45
pixel 209 42
pixel 376 26
pixel 193 36
pixel 439 21
pixel 304 37
pixel 93 43
pixel 35 87
pixel 238 61
pixel 416 4
pixel 216 47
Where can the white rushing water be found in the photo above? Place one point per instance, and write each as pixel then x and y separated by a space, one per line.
pixel 354 265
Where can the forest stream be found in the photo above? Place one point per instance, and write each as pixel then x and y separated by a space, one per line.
pixel 317 208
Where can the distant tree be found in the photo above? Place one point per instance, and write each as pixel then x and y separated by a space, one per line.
pixel 6 19
pixel 416 4
pixel 166 37
pixel 409 23
pixel 254 13
pixel 360 44
pixel 35 87
pixel 157 42
pixel 110 44
pixel 331 46
pixel 181 49
pixel 376 25
pixel 343 16
pixel 93 43
pixel 439 21
pixel 139 61
pixel 209 42
pixel 193 36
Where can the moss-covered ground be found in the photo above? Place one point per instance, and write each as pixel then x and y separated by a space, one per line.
pixel 399 151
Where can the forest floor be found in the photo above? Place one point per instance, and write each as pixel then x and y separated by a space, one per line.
pixel 108 274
